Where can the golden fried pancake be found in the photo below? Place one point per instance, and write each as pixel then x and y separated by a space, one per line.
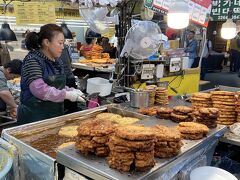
pixel 66 144
pixel 192 128
pixel 131 144
pixel 68 131
pixel 183 109
pixel 223 93
pixel 134 132
pixel 201 95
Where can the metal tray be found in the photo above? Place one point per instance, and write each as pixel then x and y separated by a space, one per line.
pixel 97 168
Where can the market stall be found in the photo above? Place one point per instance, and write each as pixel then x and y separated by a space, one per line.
pixel 64 148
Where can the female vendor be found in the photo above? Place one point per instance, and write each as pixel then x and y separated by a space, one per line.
pixel 43 82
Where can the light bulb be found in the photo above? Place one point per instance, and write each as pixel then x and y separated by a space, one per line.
pixel 229 29
pixel 178 15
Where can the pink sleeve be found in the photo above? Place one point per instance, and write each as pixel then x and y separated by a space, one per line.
pixel 68 88
pixel 45 92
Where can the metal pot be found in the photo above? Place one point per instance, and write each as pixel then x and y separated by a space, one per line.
pixel 139 99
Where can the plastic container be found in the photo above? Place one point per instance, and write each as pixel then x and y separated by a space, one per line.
pixel 211 173
pixel 99 85
pixel 6 162
pixel 139 99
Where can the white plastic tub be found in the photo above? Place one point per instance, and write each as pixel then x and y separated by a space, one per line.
pixel 103 86
pixel 6 162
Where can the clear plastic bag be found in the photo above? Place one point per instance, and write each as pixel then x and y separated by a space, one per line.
pixel 235 129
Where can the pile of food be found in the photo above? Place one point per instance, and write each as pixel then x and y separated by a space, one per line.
pixel 98 61
pixel 96 56
pixel 182 114
pixel 168 142
pixel 161 96
pixel 225 101
pixel 116 118
pixel 132 146
pixel 207 116
pixel 192 130
pixel 93 136
pixel 238 107
pixel 164 112
pixel 150 111
pixel 201 100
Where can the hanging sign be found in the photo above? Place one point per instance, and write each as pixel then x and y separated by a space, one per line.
pixel 199 9
pixel 220 9
pixel 34 12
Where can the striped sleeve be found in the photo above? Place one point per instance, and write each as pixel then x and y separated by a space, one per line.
pixel 31 71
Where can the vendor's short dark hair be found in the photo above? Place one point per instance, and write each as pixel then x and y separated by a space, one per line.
pixel 15 66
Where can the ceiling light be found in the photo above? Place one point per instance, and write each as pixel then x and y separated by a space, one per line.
pixel 178 15
pixel 6 34
pixel 229 28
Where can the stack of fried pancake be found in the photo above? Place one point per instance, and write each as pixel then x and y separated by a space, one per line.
pixel 93 136
pixel 97 51
pixel 164 112
pixel 150 111
pixel 207 116
pixel 192 130
pixel 161 96
pixel 151 91
pixel 132 146
pixel 168 142
pixel 182 114
pixel 116 118
pixel 201 100
pixel 225 101
pixel 238 106
pixel 105 56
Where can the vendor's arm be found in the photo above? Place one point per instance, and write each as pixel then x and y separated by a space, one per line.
pixel 7 97
pixel 45 92
pixel 33 74
pixel 5 94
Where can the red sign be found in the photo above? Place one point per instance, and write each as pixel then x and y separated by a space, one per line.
pixel 204 3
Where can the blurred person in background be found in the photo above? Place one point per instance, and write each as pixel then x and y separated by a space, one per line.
pixel 235 54
pixel 43 81
pixel 9 71
pixel 108 48
pixel 69 107
pixel 87 47
pixel 23 42
pixel 191 48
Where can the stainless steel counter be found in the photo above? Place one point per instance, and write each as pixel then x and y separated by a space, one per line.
pixel 231 138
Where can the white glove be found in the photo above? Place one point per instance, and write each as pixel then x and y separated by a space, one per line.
pixel 78 92
pixel 73 96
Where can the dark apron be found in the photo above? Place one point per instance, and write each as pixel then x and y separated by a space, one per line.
pixel 35 109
